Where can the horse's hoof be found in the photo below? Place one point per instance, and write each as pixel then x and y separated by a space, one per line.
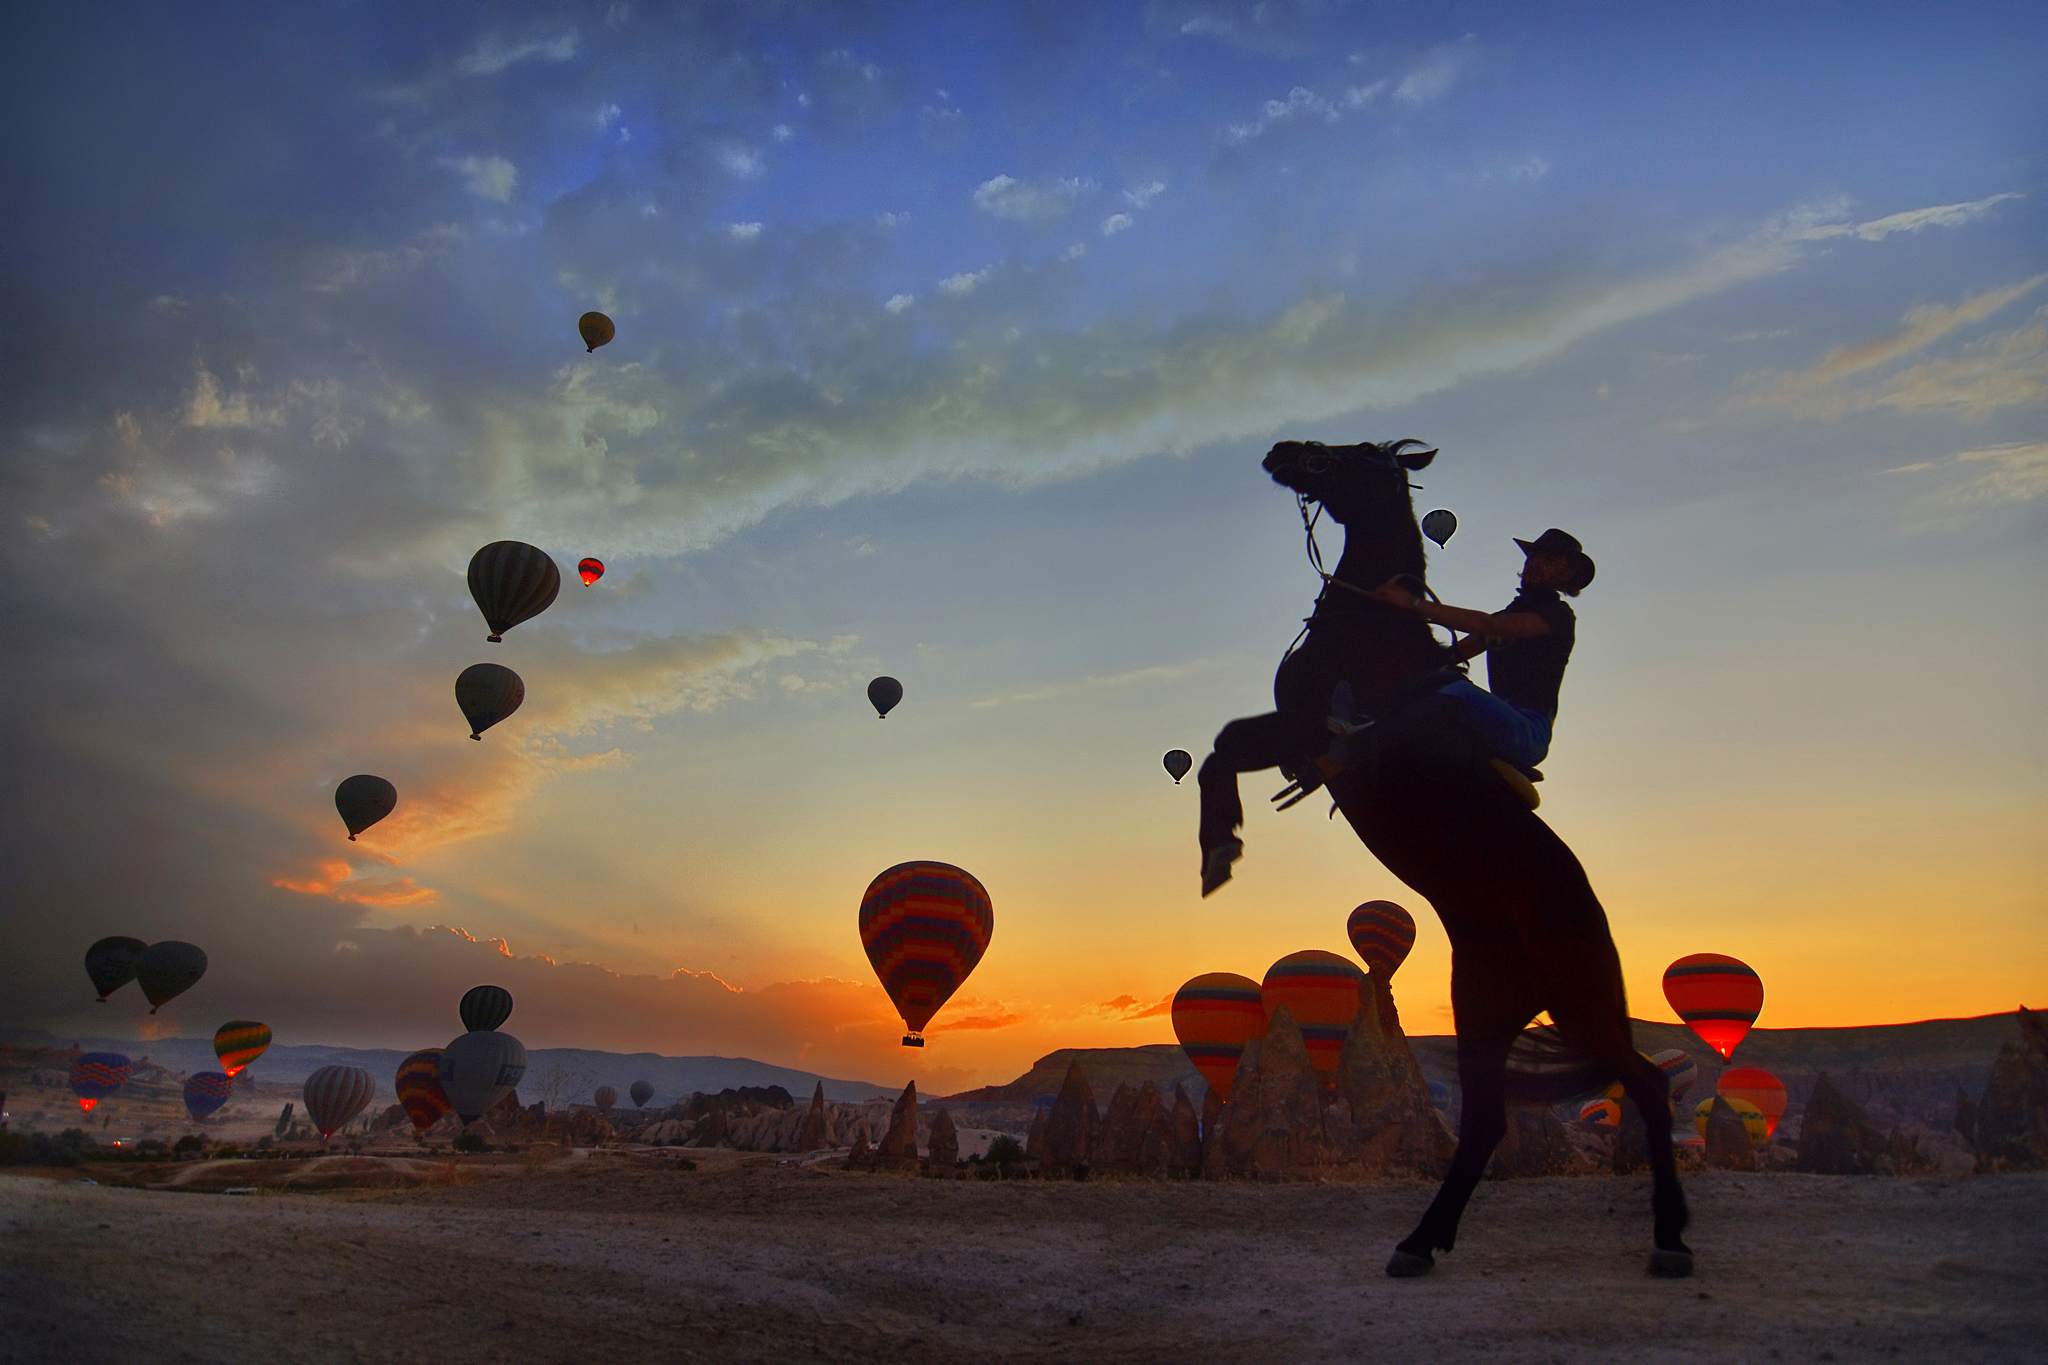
pixel 1670 1265
pixel 1216 863
pixel 1406 1265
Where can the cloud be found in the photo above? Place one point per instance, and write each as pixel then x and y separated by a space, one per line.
pixel 495 53
pixel 2005 369
pixel 1440 69
pixel 491 177
pixel 743 232
pixel 965 282
pixel 898 302
pixel 336 881
pixel 1117 222
pixel 2016 472
pixel 1126 1008
pixel 1912 220
pixel 1156 676
pixel 1005 196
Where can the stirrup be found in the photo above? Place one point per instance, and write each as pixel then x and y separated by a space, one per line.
pixel 1519 782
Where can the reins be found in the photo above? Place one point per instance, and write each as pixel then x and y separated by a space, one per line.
pixel 1330 580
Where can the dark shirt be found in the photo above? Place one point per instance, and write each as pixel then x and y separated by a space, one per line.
pixel 1529 671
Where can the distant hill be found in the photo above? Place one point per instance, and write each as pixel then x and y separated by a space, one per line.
pixel 573 1072
pixel 1904 1074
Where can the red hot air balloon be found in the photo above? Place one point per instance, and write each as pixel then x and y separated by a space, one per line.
pixel 419 1088
pixel 1382 933
pixel 1760 1088
pixel 925 925
pixel 591 569
pixel 1717 996
pixel 511 582
pixel 1214 1016
pixel 1321 991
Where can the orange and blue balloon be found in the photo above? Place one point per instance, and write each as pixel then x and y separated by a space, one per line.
pixel 1382 933
pixel 925 925
pixel 1214 1016
pixel 1321 991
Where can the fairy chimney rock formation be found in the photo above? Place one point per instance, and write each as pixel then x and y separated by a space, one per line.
pixel 1535 1144
pixel 1115 1147
pixel 1070 1127
pixel 1728 1142
pixel 1397 1129
pixel 944 1146
pixel 1271 1128
pixel 2010 1126
pixel 1155 1132
pixel 815 1133
pixel 1184 1155
pixel 1837 1138
pixel 899 1145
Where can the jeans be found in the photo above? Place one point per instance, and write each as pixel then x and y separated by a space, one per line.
pixel 1516 733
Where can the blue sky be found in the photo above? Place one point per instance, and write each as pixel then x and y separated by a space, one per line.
pixel 949 338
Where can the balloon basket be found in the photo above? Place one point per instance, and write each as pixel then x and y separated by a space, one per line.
pixel 912 1040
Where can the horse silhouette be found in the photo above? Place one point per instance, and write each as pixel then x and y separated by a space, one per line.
pixel 1358 710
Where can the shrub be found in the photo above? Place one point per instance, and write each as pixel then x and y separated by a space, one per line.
pixel 191 1142
pixel 40 1149
pixel 470 1142
pixel 1005 1151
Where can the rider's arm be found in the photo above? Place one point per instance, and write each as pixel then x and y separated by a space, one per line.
pixel 1518 625
pixel 1471 647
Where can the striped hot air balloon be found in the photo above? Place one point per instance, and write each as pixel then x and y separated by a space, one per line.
pixel 336 1094
pixel 1382 933
pixel 1753 1121
pixel 97 1075
pixel 1321 991
pixel 1214 1016
pixel 1760 1088
pixel 206 1092
pixel 1718 997
pixel 604 1097
pixel 512 582
pixel 1605 1112
pixel 484 1008
pixel 238 1043
pixel 419 1088
pixel 925 925
pixel 590 569
pixel 1679 1068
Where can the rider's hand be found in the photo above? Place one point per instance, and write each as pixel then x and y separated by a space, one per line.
pixel 1394 595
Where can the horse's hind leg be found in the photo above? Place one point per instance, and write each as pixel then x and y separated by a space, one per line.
pixel 1242 746
pixel 1482 1076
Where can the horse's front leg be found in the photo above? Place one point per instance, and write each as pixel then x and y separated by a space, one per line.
pixel 1242 746
pixel 1482 1079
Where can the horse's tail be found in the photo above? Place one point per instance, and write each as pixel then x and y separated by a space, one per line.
pixel 1544 1069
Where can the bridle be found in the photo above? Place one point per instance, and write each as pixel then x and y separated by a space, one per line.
pixel 1318 460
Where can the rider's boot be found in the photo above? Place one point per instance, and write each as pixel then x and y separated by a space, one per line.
pixel 1216 863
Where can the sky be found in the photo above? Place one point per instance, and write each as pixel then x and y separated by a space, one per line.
pixel 949 340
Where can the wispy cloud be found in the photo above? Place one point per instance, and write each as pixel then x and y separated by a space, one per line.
pixel 492 177
pixel 1126 1008
pixel 1430 79
pixel 1912 220
pixel 1994 475
pixel 1159 675
pixel 495 53
pixel 1005 196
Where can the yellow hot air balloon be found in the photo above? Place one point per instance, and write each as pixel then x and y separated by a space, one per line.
pixel 1753 1121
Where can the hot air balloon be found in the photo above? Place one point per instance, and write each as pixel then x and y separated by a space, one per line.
pixel 363 800
pixel 167 970
pixel 591 569
pixel 1214 1016
pixel 487 693
pixel 511 582
pixel 1321 990
pixel 641 1092
pixel 238 1043
pixel 479 1069
pixel 1177 762
pixel 206 1092
pixel 419 1088
pixel 925 925
pixel 97 1075
pixel 1717 996
pixel 111 963
pixel 336 1094
pixel 1381 933
pixel 1679 1068
pixel 484 1008
pixel 1760 1088
pixel 1440 1094
pixel 596 330
pixel 1753 1120
pixel 1605 1112
pixel 883 694
pixel 1440 525
pixel 604 1097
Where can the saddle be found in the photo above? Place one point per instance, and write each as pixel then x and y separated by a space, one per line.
pixel 1348 728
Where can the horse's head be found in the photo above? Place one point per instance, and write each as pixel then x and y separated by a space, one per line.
pixel 1355 483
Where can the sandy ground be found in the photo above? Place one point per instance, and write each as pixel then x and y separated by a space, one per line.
pixel 746 1259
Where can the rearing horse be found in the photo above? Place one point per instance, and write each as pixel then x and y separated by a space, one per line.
pixel 1527 933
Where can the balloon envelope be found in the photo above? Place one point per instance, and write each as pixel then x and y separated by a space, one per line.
pixel 590 570
pixel 1605 1112
pixel 1440 1094
pixel 596 329
pixel 1760 1088
pixel 1177 762
pixel 168 969
pixel 925 925
pixel 336 1094
pixel 604 1097
pixel 363 800
pixel 1321 991
pixel 1382 933
pixel 1717 996
pixel 238 1043
pixel 511 582
pixel 641 1092
pixel 1214 1016
pixel 111 963
pixel 484 1008
pixel 479 1069
pixel 1440 525
pixel 1753 1121
pixel 206 1092
pixel 97 1075
pixel 1679 1068
pixel 883 694
pixel 487 693
pixel 419 1088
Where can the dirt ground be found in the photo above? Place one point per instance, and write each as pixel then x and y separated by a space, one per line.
pixel 745 1259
